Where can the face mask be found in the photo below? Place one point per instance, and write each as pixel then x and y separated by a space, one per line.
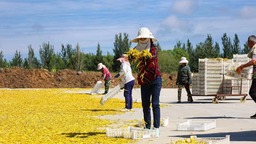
pixel 142 45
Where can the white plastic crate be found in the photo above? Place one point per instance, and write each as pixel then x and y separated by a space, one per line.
pixel 197 125
pixel 131 133
pixel 118 132
pixel 217 140
pixel 110 94
pixel 141 133
pixel 97 87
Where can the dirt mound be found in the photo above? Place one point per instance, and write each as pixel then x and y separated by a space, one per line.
pixel 40 78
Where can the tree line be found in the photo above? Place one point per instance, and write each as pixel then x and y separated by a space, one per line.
pixel 73 58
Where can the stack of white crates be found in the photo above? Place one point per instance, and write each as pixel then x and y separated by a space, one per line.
pixel 217 76
pixel 209 77
pixel 246 74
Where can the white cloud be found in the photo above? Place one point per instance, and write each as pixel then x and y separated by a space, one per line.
pixel 174 24
pixel 248 12
pixel 184 6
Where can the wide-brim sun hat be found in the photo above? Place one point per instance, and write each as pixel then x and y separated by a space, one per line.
pixel 144 33
pixel 100 65
pixel 183 60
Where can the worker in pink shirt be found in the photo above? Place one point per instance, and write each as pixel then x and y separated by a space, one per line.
pixel 106 75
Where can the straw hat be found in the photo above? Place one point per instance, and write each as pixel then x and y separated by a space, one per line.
pixel 144 33
pixel 183 60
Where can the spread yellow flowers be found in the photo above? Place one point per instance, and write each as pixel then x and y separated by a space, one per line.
pixel 191 140
pixel 55 116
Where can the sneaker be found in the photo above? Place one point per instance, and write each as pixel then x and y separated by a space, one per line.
pixel 253 116
pixel 131 110
pixel 178 101
pixel 157 132
pixel 126 110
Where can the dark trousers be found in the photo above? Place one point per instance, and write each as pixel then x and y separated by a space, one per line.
pixel 128 94
pixel 151 93
pixel 252 91
pixel 106 84
pixel 180 90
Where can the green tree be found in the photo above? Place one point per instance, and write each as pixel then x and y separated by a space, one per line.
pixel 98 57
pixel 31 61
pixel 17 60
pixel 217 52
pixel 193 62
pixel 70 56
pixel 179 51
pixel 189 47
pixel 178 45
pixel 199 53
pixel 108 61
pixel 246 49
pixel 64 56
pixel 56 62
pixel 204 50
pixel 46 52
pixel 177 54
pixel 78 58
pixel 25 64
pixel 121 45
pixel 3 62
pixel 89 62
pixel 227 46
pixel 210 50
pixel 236 45
pixel 166 61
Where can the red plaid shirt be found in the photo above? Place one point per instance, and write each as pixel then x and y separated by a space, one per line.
pixel 149 71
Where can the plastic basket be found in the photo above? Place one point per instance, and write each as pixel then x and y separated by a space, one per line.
pixel 131 133
pixel 140 133
pixel 118 132
pixel 197 125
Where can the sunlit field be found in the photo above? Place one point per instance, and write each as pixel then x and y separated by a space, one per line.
pixel 56 116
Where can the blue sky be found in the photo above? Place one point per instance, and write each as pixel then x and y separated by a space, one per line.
pixel 89 22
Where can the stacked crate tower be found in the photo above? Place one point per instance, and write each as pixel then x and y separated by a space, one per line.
pixel 217 76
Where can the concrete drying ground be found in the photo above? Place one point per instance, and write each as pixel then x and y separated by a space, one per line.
pixel 232 117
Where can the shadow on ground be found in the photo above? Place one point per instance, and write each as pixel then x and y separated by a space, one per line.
pixel 234 136
pixel 218 117
pixel 82 135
